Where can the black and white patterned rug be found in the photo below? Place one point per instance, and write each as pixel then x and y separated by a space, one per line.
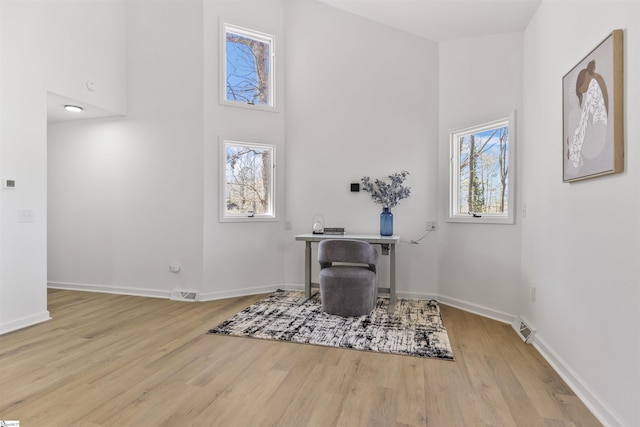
pixel 414 329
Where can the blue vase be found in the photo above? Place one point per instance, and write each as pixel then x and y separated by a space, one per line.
pixel 386 222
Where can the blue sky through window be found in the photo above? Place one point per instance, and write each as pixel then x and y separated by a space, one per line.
pixel 242 78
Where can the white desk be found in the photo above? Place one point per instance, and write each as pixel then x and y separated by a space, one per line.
pixel 387 243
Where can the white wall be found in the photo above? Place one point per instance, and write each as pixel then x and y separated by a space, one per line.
pixel 39 54
pixel 580 241
pixel 1 198
pixel 125 194
pixel 128 161
pixel 86 41
pixel 478 264
pixel 23 158
pixel 361 100
pixel 241 258
pixel 146 186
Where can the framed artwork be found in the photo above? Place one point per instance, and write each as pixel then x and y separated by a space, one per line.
pixel 593 133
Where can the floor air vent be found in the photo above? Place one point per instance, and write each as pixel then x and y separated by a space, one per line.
pixel 524 330
pixel 188 296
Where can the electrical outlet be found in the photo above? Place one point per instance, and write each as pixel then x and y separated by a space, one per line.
pixel 26 215
pixel 287 224
pixel 430 226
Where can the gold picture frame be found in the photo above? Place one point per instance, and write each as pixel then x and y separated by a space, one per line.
pixel 593 115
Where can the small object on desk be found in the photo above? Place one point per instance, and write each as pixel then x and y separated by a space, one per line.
pixel 318 224
pixel 334 231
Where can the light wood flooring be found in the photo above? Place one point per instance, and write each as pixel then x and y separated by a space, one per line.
pixel 112 360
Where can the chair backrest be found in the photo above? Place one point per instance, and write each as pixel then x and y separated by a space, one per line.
pixel 346 250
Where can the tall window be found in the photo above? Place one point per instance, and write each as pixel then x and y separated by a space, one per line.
pixel 248 67
pixel 247 181
pixel 482 173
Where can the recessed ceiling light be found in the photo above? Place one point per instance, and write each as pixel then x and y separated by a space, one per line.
pixel 74 108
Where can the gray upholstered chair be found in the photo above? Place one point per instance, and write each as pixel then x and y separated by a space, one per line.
pixel 349 289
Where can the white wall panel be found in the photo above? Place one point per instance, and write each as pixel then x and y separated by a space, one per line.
pixel 86 41
pixel 241 258
pixel 580 241
pixel 125 194
pixel 480 81
pixel 361 100
pixel 23 157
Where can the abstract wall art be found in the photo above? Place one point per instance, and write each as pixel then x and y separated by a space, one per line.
pixel 592 96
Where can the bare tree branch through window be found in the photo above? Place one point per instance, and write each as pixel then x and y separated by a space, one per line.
pixel 249 67
pixel 482 159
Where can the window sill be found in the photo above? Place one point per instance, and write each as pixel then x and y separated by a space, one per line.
pixel 249 219
pixel 482 220
pixel 249 106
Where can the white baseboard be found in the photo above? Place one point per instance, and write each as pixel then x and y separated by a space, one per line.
pixel 24 322
pixel 157 293
pixel 416 295
pixel 602 412
pixel 107 289
pixel 216 295
pixel 480 310
pixel 292 287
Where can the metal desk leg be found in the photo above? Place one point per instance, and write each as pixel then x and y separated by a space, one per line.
pixel 307 270
pixel 392 279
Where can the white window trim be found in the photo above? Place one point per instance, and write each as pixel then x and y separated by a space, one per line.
pixel 223 216
pixel 254 34
pixel 454 175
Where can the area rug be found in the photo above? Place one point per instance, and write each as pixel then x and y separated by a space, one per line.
pixel 414 329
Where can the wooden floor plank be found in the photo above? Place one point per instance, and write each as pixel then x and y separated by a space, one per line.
pixel 107 360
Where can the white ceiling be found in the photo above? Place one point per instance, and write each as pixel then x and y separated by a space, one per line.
pixel 443 20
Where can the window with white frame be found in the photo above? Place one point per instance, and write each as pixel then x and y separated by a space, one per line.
pixel 247 67
pixel 482 173
pixel 247 181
